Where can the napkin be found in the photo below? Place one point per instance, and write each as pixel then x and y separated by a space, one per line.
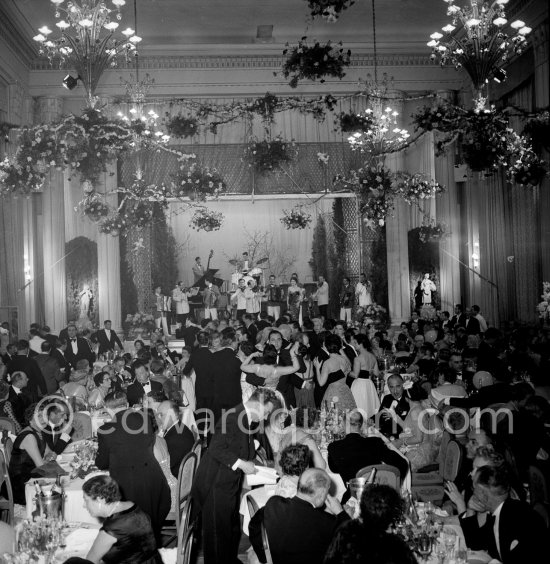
pixel 263 475
pixel 49 470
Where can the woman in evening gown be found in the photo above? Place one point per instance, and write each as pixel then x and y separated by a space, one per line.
pixel 294 298
pixel 364 366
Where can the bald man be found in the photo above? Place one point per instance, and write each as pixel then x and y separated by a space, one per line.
pixel 395 403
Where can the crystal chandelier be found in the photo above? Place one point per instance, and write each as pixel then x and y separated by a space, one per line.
pixel 87 40
pixel 477 42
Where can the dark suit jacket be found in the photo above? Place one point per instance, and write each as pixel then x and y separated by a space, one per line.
pixel 297 532
pixel 457 321
pixel 36 386
pixel 180 441
pixel 519 526
pixel 50 371
pixel 402 409
pixel 63 363
pixel 53 439
pixel 347 456
pixel 19 402
pixel 135 391
pixel 52 339
pixel 201 362
pixel 226 375
pixel 83 351
pixel 229 443
pixel 105 344
pixel 472 326
pixel 497 393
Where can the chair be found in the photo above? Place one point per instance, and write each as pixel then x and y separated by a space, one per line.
pixel 265 542
pixel 435 492
pixel 538 485
pixel 385 474
pixel 6 503
pixel 82 425
pixel 252 505
pixel 197 449
pixel 8 447
pixel 186 545
pixel 8 425
pixel 427 475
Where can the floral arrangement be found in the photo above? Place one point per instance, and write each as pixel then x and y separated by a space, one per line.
pixel 296 218
pixel 113 225
pixel 352 122
pixel 93 207
pixel 197 182
pixel 528 169
pixel 266 107
pixel 374 314
pixel 537 128
pixel 543 307
pixel 268 155
pixel 181 126
pixel 432 232
pixel 19 179
pixel 138 213
pixel 143 322
pixel 35 538
pixel 329 10
pixel 83 462
pixel 314 62
pixel 415 187
pixel 206 220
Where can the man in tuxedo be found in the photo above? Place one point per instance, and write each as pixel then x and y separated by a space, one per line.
pixel 178 437
pixel 299 530
pixel 58 353
pixel 472 323
pixel 18 399
pixel 142 385
pixel 458 319
pixel 347 456
pixel 217 485
pixel 107 339
pixel 46 334
pixel 50 368
pixel 513 532
pixel 251 328
pixel 77 348
pixel 161 351
pixel 198 270
pixel 9 355
pixel 395 403
pixel 36 387
pixel 57 431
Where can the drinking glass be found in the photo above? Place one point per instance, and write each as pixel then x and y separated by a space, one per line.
pixel 449 539
pixel 424 546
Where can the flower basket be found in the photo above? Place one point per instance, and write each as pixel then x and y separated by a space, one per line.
pixel 351 122
pixel 267 156
pixel 197 182
pixel 113 225
pixel 138 214
pixel 93 208
pixel 433 232
pixel 296 218
pixel 139 324
pixel 181 126
pixel 314 62
pixel 206 220
pixel 528 169
pixel 329 10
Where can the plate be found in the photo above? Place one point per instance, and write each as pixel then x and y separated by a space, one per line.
pixel 68 553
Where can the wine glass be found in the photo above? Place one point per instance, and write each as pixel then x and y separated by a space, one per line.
pixel 424 545
pixel 440 552
pixel 449 539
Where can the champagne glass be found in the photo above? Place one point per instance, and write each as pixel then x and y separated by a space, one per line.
pixel 449 539
pixel 424 545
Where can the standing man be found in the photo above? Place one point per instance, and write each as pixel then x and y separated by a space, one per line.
pixel 274 298
pixel 36 387
pixel 179 297
pixel 477 314
pixel 363 291
pixel 77 348
pixel 50 368
pixel 346 300
pixel 321 295
pixel 198 270
pixel 217 485
pixel 239 298
pixel 245 263
pixel 211 295
pixel 107 339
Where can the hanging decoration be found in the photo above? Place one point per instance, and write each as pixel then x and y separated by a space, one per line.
pixel 206 220
pixel 267 156
pixel 314 62
pixel 296 218
pixel 329 10
pixel 197 182
pixel 537 128
pixel 432 231
pixel 181 126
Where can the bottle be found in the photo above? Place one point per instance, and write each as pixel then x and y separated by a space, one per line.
pixel 412 514
pixel 372 476
pixel 57 487
pixel 38 489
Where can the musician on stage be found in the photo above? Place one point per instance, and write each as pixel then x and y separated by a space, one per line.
pixel 179 297
pixel 274 296
pixel 198 270
pixel 246 263
pixel 211 296
pixel 238 298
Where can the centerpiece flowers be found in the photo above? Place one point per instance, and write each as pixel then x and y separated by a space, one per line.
pixel 206 220
pixel 35 539
pixel 314 62
pixel 268 155
pixel 83 462
pixel 296 218
pixel 543 308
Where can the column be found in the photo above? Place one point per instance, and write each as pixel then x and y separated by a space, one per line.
pixel 108 263
pixel 49 109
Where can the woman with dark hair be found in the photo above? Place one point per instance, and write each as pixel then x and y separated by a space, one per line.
pixel 422 430
pixel 364 366
pixel 293 461
pixel 126 535
pixel 367 539
pixel 96 397
pixel 331 375
pixel 294 297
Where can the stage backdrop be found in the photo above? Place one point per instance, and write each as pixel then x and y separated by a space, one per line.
pixel 252 226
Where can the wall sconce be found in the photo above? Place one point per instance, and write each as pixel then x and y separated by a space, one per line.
pixel 475 255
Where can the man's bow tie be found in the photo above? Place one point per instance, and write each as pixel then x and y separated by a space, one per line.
pixel 73 340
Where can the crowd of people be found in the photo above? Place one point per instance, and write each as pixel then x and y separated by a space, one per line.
pixel 448 374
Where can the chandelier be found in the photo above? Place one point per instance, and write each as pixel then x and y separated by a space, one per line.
pixel 476 40
pixel 87 40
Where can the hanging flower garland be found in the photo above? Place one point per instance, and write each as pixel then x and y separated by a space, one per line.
pixel 197 182
pixel 296 218
pixel 113 225
pixel 206 220
pixel 17 178
pixel 432 232
pixel 415 187
pixel 329 10
pixel 350 122
pixel 268 155
pixel 181 126
pixel 314 62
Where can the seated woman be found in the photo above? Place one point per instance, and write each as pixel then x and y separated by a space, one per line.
pixel 293 461
pixel 422 430
pixel 368 539
pixel 103 382
pixel 29 452
pixel 126 536
pixel 267 368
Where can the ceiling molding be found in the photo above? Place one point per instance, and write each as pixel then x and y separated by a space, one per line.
pixel 15 39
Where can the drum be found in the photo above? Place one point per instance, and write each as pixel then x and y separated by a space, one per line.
pixel 235 277
pixel 256 272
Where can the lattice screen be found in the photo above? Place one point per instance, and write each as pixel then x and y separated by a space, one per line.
pixel 353 251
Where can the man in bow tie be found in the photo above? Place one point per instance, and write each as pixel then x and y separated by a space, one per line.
pixel 108 340
pixel 142 385
pixel 393 409
pixel 18 400
pixel 77 348
pixel 178 437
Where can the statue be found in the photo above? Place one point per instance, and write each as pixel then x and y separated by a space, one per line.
pixel 85 299
pixel 427 288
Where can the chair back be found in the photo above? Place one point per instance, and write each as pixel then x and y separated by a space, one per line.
pixel 6 504
pixel 543 509
pixel 7 424
pixel 252 505
pixel 197 449
pixel 265 542
pixel 385 474
pixel 186 544
pixel 82 425
pixel 8 447
pixel 186 474
pixel 453 461
pixel 538 485
pixel 445 438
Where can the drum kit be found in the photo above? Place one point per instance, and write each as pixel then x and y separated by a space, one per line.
pixel 251 275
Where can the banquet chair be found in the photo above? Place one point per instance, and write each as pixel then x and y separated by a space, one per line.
pixel 265 542
pixel 197 449
pixel 8 447
pixel 252 505
pixel 7 425
pixel 186 545
pixel 385 474
pixel 6 503
pixel 449 470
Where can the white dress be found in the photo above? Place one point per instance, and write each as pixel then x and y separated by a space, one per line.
pixel 363 389
pixel 160 450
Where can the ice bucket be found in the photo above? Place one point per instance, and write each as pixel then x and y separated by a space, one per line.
pixel 51 506
pixel 356 487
